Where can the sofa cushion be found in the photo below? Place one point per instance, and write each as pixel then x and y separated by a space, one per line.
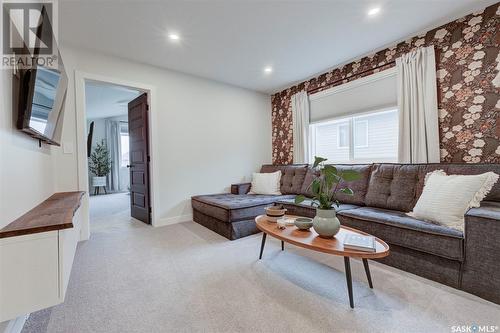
pixel 398 186
pixel 469 169
pixel 393 186
pixel 446 198
pixel 305 209
pixel 292 176
pixel 305 189
pixel 266 183
pixel 359 186
pixel 233 207
pixel 395 227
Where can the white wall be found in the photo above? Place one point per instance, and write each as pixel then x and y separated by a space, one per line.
pixel 209 134
pixel 26 174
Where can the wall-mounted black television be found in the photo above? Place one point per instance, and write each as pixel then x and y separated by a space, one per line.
pixel 42 95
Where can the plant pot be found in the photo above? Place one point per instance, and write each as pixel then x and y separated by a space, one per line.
pixel 326 223
pixel 98 181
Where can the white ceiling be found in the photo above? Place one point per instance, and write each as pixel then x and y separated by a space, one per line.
pixel 232 41
pixel 103 100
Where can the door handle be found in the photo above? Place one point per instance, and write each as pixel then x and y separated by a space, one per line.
pixel 130 166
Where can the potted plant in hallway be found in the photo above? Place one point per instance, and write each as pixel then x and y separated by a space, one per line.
pixel 324 189
pixel 100 164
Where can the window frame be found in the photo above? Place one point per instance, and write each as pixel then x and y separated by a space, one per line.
pixel 353 134
pixel 348 125
pixel 350 119
pixel 124 132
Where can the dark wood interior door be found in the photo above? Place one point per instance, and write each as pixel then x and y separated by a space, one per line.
pixel 140 203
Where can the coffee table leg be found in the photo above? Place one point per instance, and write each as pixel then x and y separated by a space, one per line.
pixel 349 280
pixel 367 270
pixel 264 235
pixel 282 246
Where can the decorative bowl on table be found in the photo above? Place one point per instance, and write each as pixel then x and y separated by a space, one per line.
pixel 284 221
pixel 273 213
pixel 303 223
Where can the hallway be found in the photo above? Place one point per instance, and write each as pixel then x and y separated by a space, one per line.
pixel 110 212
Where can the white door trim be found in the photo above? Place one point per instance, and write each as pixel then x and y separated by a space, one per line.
pixel 81 140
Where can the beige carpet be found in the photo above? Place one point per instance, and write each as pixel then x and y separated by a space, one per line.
pixel 130 277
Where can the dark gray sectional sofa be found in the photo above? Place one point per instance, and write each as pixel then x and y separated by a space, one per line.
pixel 468 260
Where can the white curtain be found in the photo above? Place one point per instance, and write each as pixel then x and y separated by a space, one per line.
pixel 417 103
pixel 300 119
pixel 114 148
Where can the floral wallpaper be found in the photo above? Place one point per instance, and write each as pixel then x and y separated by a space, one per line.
pixel 468 65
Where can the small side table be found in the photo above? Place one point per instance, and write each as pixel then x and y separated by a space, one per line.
pixel 97 190
pixel 97 183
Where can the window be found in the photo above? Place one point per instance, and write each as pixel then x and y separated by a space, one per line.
pixel 343 136
pixel 356 122
pixel 124 146
pixel 326 140
pixel 360 133
pixel 364 138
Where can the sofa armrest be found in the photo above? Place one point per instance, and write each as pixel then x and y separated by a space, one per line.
pixel 241 188
pixel 482 251
pixel 489 210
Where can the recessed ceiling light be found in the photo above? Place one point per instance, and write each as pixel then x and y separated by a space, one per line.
pixel 374 11
pixel 268 69
pixel 173 36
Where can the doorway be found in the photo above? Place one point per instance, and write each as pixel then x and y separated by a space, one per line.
pixel 117 152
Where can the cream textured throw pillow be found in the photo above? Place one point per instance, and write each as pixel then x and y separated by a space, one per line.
pixel 266 183
pixel 446 198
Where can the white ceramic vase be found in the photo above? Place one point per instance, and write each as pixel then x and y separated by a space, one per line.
pixel 326 223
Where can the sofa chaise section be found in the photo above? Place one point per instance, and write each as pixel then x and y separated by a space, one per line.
pixel 231 215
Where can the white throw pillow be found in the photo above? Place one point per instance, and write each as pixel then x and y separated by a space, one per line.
pixel 266 183
pixel 446 198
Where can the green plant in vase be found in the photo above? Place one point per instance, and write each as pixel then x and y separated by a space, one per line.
pixel 100 164
pixel 325 188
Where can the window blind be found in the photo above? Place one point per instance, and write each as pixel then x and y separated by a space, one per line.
pixel 374 92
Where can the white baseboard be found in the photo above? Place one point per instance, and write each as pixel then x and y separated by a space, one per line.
pixel 15 325
pixel 173 220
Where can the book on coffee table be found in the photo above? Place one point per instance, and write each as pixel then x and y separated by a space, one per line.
pixel 360 243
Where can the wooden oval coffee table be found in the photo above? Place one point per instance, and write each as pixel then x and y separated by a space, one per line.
pixel 311 240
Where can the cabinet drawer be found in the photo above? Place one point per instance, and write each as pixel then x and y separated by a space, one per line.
pixel 29 274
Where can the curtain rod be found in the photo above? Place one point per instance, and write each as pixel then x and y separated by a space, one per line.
pixel 312 91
